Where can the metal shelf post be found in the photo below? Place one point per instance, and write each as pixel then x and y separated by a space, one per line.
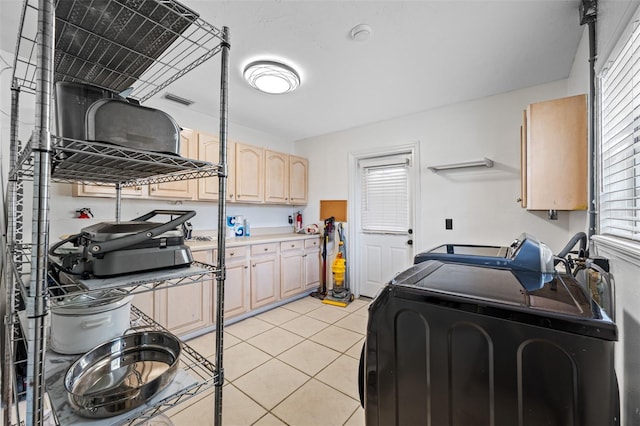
pixel 222 214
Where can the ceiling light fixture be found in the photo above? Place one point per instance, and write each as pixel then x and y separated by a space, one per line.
pixel 271 77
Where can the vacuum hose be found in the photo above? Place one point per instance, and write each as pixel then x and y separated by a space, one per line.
pixel 580 236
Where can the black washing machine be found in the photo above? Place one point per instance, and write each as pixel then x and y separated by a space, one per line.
pixel 450 343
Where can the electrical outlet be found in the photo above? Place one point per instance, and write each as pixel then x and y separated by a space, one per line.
pixel 448 224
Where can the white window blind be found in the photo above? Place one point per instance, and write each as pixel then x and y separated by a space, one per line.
pixel 620 142
pixel 385 195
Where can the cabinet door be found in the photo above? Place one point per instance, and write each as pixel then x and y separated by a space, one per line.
pixel 249 174
pixel 236 291
pixel 209 150
pixel 298 181
pixel 264 280
pixel 146 303
pixel 107 191
pixel 183 189
pixel 276 177
pixel 311 268
pixel 556 154
pixel 187 308
pixel 291 268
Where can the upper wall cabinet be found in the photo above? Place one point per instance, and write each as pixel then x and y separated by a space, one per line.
pixel 182 189
pixel 276 177
pixel 209 150
pixel 554 155
pixel 298 180
pixel 249 173
pixel 285 178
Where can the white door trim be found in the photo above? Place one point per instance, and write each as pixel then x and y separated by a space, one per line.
pixel 354 195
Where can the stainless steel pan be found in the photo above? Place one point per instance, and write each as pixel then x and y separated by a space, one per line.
pixel 123 373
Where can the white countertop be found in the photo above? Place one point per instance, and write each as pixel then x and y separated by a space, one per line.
pixel 242 241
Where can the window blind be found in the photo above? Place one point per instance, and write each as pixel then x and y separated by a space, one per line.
pixel 385 196
pixel 619 198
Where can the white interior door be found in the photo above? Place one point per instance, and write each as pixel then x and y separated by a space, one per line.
pixel 385 219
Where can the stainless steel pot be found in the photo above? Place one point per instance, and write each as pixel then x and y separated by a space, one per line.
pixel 122 374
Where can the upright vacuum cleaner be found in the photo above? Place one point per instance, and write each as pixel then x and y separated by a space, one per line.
pixel 328 229
pixel 340 294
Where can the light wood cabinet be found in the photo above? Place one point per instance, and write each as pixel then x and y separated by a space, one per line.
pixel 187 308
pixel 265 275
pixel 146 303
pixel 286 178
pixel 249 174
pixel 554 155
pixel 236 287
pixel 298 180
pixel 291 268
pixel 209 150
pixel 107 191
pixel 183 189
pixel 276 177
pixel 311 279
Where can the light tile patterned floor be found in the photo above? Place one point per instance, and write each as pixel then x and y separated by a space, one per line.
pixel 295 365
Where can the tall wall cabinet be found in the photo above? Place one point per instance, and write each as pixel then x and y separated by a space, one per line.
pixel 129 43
pixel 554 155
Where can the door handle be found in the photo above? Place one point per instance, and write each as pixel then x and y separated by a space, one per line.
pixel 410 242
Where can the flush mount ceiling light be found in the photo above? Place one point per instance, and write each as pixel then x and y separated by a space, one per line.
pixel 272 77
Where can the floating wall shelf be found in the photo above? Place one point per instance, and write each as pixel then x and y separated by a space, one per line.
pixel 485 162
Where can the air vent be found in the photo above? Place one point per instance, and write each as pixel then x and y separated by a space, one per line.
pixel 178 99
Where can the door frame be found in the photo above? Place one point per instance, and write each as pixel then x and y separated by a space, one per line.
pixel 353 225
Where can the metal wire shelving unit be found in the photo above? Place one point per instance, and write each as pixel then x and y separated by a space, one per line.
pixel 112 44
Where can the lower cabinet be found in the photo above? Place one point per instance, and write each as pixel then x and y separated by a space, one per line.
pixel 236 285
pixel 292 263
pixel 257 275
pixel 311 264
pixel 265 274
pixel 187 308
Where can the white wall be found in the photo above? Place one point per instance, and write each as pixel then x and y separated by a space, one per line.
pixel 482 202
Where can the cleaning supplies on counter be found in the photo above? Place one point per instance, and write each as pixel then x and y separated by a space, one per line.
pixel 231 227
pixel 237 226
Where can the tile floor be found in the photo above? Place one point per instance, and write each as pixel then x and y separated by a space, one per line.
pixel 293 365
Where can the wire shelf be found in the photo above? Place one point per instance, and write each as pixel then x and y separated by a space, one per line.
pixel 117 44
pixel 63 284
pixel 98 162
pixel 196 374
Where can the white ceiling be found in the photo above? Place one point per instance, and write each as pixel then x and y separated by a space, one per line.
pixel 422 54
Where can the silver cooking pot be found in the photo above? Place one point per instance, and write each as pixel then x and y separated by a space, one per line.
pixel 122 374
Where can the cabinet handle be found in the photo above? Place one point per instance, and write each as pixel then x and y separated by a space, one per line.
pixel 246 267
pixel 293 245
pixel 231 254
pixel 519 200
pixel 254 265
pixel 266 249
pixel 153 188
